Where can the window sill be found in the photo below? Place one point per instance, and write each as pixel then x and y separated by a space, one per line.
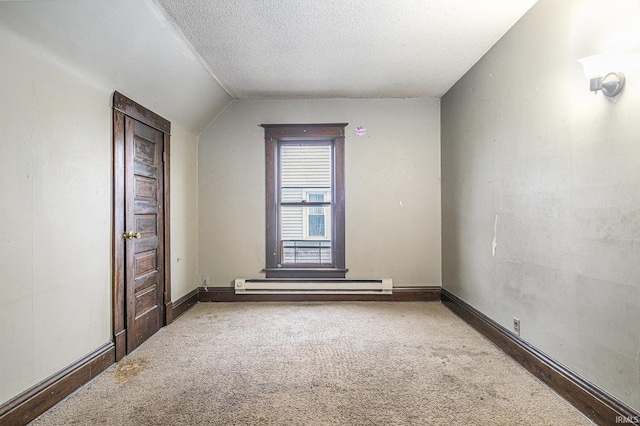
pixel 305 273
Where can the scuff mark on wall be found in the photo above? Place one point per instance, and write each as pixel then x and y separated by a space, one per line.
pixel 495 232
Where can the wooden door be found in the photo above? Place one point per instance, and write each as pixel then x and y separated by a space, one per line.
pixel 144 222
pixel 141 285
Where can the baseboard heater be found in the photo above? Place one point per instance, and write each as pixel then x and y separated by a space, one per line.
pixel 312 286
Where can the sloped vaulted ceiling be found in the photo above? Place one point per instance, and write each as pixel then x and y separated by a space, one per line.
pixel 124 45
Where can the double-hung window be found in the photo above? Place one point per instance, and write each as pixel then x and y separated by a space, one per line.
pixel 304 201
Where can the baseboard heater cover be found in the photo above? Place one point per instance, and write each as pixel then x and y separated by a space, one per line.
pixel 312 286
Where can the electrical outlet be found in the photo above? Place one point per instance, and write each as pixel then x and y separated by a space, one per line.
pixel 516 325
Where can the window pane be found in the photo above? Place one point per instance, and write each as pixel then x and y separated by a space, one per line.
pixel 304 168
pixel 305 234
pixel 316 225
pixel 295 223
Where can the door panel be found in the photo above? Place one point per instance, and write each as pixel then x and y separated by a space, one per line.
pixel 144 218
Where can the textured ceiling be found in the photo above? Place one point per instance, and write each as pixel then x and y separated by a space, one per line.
pixel 341 48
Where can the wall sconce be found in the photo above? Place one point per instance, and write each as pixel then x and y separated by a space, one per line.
pixel 597 69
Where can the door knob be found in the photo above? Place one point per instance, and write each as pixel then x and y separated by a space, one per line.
pixel 131 235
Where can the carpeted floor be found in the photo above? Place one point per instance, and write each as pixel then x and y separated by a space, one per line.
pixel 342 363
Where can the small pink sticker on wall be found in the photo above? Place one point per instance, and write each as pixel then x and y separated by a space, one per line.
pixel 361 131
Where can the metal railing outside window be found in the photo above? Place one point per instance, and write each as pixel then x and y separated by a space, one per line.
pixel 306 251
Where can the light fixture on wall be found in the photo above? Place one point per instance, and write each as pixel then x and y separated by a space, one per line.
pixel 597 69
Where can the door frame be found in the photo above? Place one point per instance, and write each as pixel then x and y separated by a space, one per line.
pixel 123 106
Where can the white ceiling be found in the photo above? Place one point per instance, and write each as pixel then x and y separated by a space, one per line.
pixel 154 50
pixel 341 48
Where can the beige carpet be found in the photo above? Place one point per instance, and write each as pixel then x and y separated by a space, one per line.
pixel 341 363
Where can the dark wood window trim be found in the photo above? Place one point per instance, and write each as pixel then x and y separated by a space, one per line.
pixel 275 133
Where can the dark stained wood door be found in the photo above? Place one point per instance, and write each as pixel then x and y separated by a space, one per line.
pixel 141 243
pixel 144 220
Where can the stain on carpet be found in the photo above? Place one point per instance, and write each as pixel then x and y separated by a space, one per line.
pixel 127 369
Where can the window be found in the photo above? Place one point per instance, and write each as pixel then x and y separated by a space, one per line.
pixel 316 217
pixel 304 201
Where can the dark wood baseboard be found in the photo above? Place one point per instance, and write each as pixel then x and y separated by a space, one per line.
pixel 593 402
pixel 168 313
pixel 120 340
pixel 403 294
pixel 33 402
pixel 181 305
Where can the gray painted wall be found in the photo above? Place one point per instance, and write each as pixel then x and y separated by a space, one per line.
pixel 541 197
pixel 392 187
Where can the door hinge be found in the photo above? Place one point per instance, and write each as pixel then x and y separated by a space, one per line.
pixel 164 156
